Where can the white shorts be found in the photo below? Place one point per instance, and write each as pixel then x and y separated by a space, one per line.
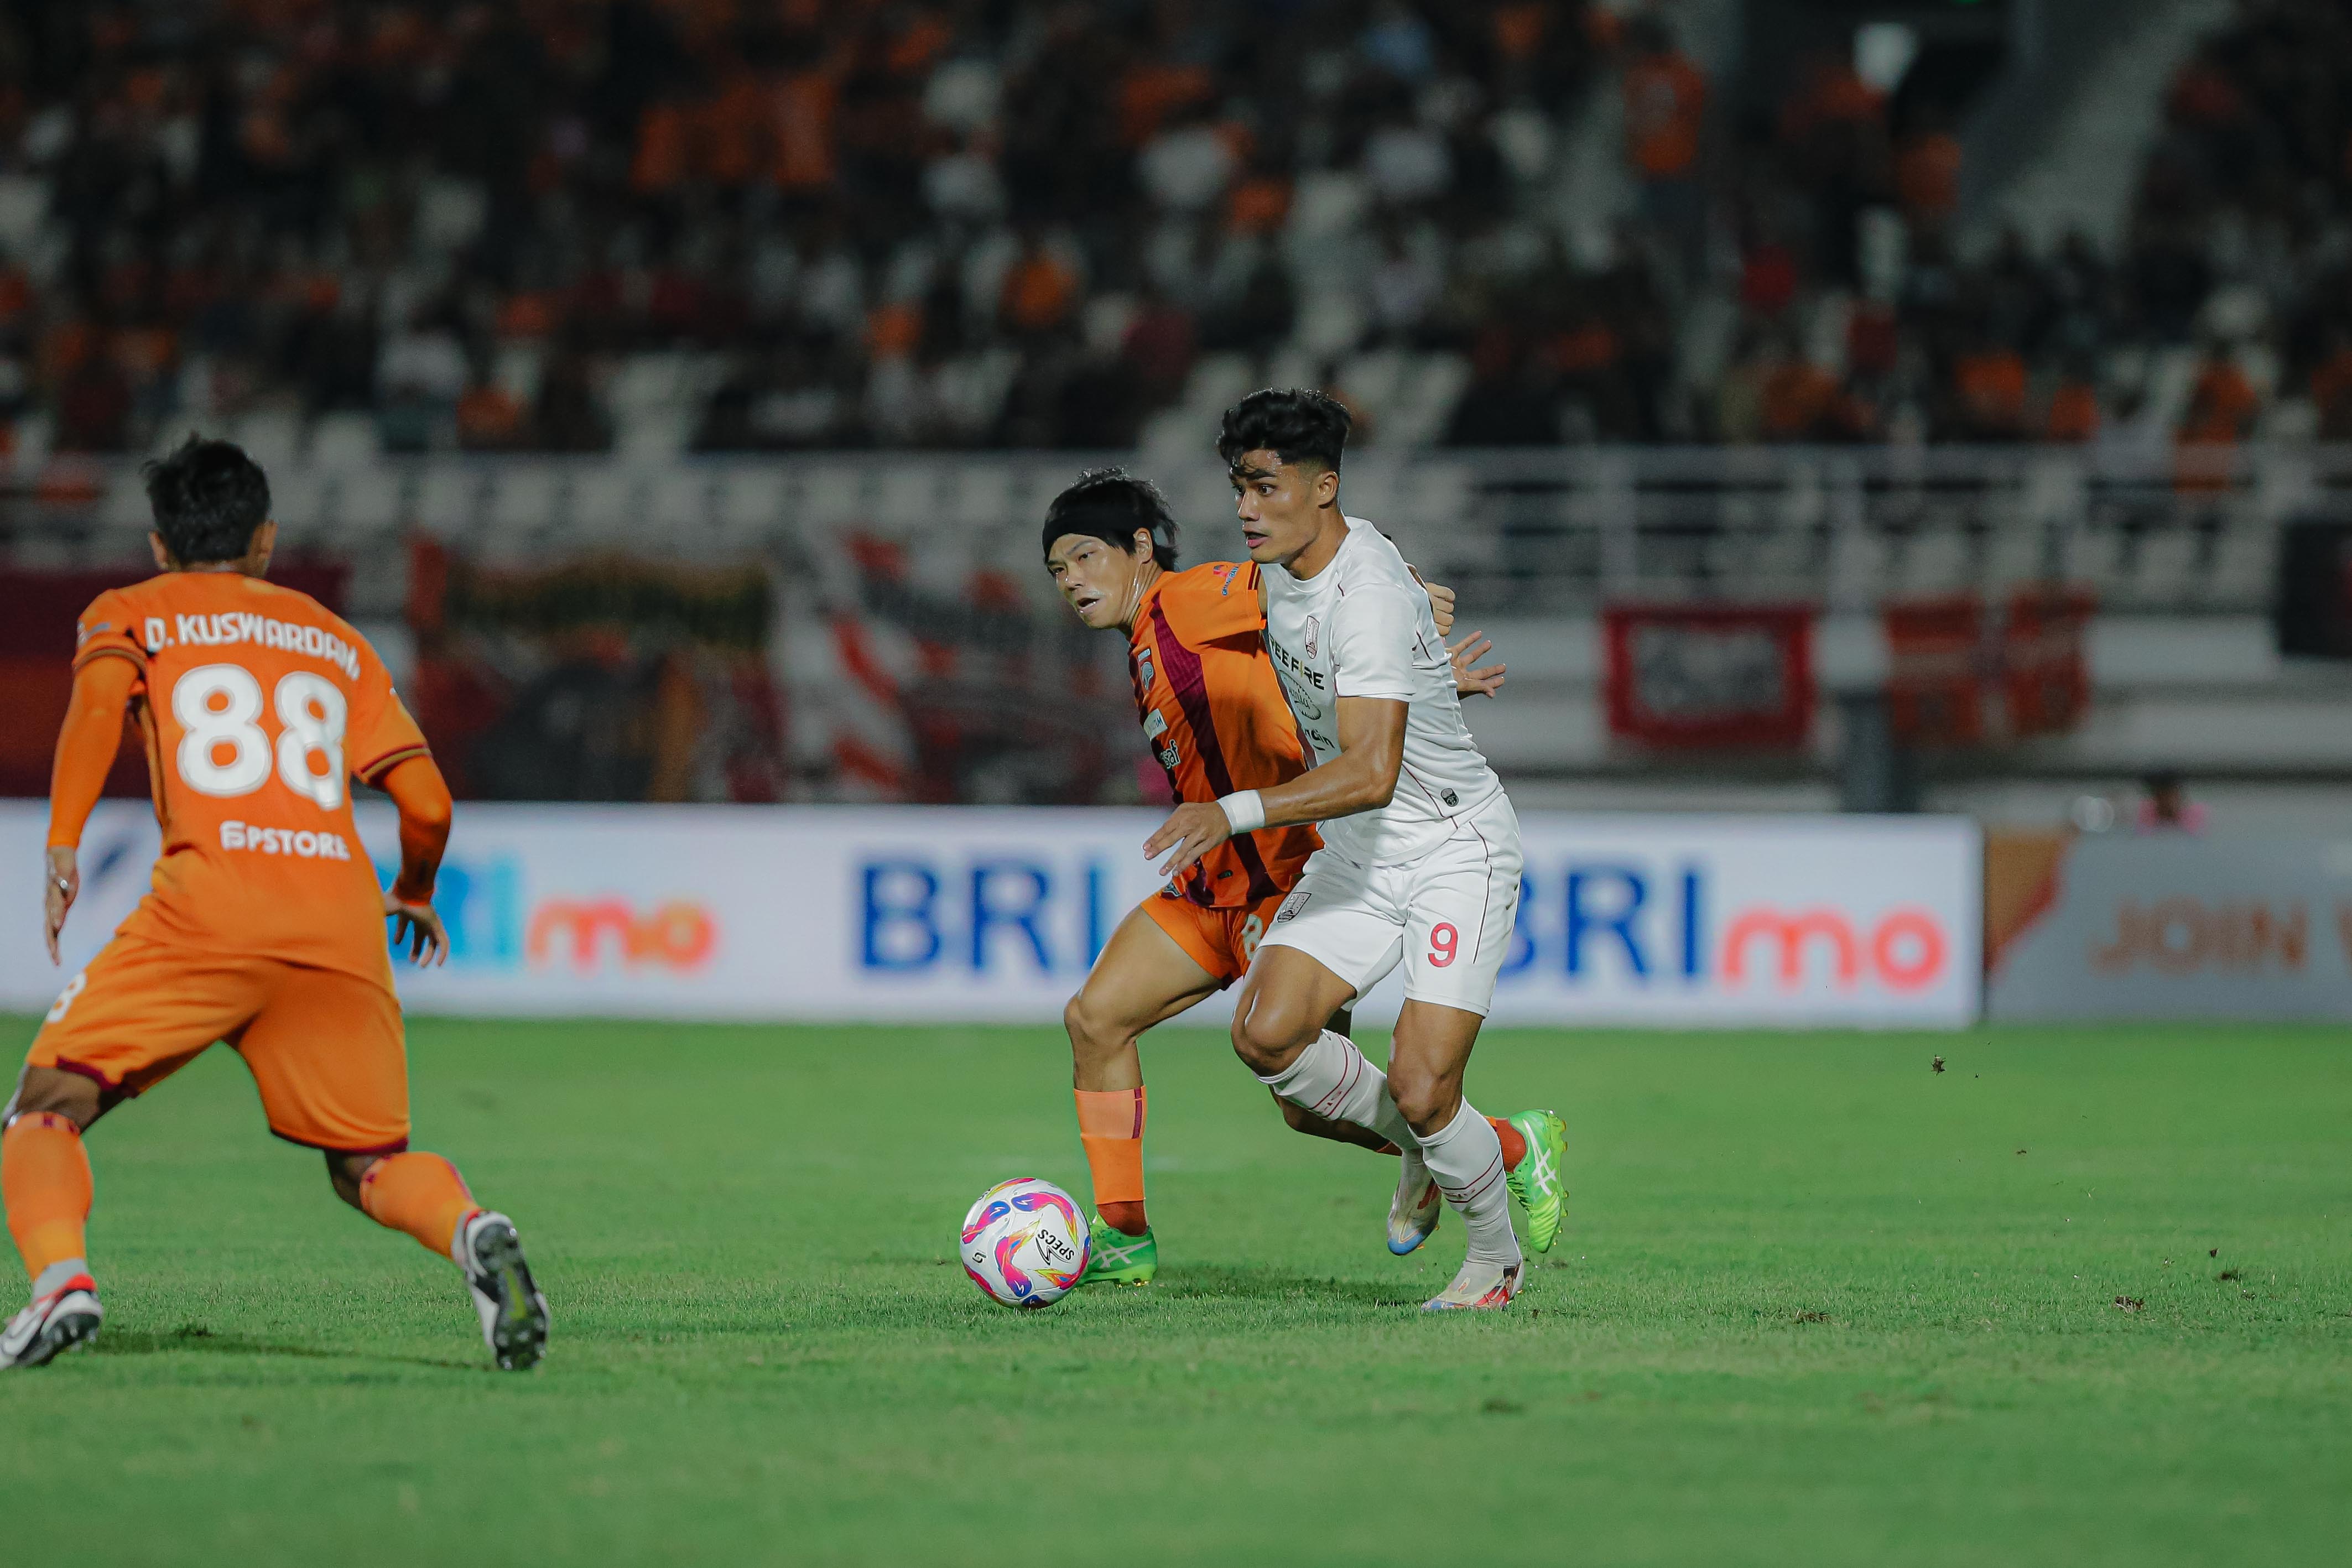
pixel 1447 915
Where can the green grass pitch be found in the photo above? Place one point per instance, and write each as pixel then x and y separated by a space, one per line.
pixel 1816 1304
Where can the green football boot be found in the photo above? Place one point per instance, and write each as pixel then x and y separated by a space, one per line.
pixel 1115 1258
pixel 1537 1179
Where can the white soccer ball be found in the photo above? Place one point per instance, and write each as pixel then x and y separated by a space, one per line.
pixel 1024 1244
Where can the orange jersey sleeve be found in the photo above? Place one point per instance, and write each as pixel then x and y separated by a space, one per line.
pixel 259 707
pixel 382 735
pixel 105 631
pixel 1214 717
pixel 103 690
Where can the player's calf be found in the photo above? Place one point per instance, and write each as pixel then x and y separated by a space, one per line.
pixel 423 1196
pixel 45 1181
pixel 1302 1120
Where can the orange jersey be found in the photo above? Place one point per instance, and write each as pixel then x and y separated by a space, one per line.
pixel 259 707
pixel 1215 718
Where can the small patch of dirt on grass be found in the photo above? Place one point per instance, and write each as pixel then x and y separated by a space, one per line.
pixel 2229 1274
pixel 1812 1318
pixel 2129 1303
pixel 1499 1405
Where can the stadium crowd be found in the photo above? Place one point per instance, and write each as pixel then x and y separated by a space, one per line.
pixel 2222 313
pixel 758 224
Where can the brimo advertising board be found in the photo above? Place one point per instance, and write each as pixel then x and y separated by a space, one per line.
pixel 820 913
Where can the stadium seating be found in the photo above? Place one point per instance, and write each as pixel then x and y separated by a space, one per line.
pixel 1457 227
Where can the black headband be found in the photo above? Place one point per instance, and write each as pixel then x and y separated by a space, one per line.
pixel 1114 522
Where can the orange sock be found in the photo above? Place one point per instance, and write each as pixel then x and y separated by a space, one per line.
pixel 1515 1148
pixel 45 1178
pixel 1110 1125
pixel 421 1193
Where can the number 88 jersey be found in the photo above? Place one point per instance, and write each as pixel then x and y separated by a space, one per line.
pixel 259 705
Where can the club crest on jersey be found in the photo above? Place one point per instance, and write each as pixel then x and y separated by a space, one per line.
pixel 1313 627
pixel 1143 667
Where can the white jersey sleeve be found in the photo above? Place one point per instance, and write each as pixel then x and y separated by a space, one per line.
pixel 1373 633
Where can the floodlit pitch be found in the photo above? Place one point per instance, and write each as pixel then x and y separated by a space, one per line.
pixel 2081 1297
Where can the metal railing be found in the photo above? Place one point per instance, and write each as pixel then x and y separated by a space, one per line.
pixel 1559 530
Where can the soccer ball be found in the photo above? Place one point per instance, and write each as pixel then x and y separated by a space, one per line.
pixel 1024 1244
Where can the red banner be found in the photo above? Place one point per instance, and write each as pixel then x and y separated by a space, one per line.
pixel 1936 669
pixel 1715 675
pixel 1947 659
pixel 2045 680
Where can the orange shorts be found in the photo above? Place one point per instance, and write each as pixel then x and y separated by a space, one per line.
pixel 1222 941
pixel 325 1047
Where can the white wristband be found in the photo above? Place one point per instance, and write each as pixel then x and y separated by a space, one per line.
pixel 1244 810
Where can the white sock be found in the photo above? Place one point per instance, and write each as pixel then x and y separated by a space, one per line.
pixel 54 1276
pixel 1332 1079
pixel 1466 1157
pixel 1413 1173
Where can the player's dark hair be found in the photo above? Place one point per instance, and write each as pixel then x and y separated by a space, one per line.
pixel 208 497
pixel 1111 505
pixel 1295 424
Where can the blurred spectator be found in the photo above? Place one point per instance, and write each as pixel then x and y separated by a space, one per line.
pixel 2167 808
pixel 1928 176
pixel 1665 116
pixel 2074 412
pixel 1990 385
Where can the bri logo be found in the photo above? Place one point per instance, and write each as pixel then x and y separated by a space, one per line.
pixel 990 915
pixel 493 924
pixel 679 935
pixel 1602 920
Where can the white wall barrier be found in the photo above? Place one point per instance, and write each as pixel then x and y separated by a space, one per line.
pixel 976 914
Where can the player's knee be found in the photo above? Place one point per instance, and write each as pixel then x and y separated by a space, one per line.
pixel 1096 1038
pixel 1426 1100
pixel 1266 1036
pixel 344 1174
pixel 1085 1030
pixel 58 1093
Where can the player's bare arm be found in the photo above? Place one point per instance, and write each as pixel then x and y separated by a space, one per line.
pixel 1362 778
pixel 422 798
pixel 85 748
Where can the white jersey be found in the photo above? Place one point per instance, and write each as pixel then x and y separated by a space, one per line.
pixel 1361 628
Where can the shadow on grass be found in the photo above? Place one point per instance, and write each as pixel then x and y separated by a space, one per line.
pixel 133 1341
pixel 1217 1282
